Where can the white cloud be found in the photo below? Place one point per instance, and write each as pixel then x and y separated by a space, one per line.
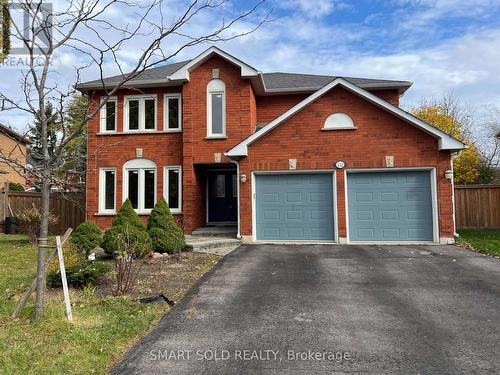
pixel 316 8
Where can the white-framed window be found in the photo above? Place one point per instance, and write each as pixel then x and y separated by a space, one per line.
pixel 216 109
pixel 338 121
pixel 109 116
pixel 139 184
pixel 107 190
pixel 172 187
pixel 139 113
pixel 172 112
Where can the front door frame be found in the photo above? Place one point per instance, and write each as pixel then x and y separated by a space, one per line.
pixel 207 196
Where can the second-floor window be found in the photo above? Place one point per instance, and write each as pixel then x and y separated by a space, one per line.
pixel 216 109
pixel 109 116
pixel 140 113
pixel 172 112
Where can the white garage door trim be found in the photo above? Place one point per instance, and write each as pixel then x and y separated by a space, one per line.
pixel 435 212
pixel 333 172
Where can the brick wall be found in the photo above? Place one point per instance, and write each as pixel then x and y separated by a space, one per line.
pixel 240 123
pixel 378 134
pixel 113 150
pixel 16 151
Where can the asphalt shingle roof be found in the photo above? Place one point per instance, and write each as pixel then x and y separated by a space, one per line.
pixel 273 81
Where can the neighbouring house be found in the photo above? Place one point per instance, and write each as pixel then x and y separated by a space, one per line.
pixel 282 156
pixel 12 145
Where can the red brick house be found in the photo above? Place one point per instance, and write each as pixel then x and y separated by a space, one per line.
pixel 284 157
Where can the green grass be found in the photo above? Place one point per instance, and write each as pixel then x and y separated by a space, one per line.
pixel 486 241
pixel 102 331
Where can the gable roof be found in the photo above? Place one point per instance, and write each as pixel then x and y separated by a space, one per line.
pixel 13 134
pixel 280 82
pixel 183 72
pixel 445 141
pixel 264 83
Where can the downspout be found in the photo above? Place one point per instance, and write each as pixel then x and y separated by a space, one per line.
pixel 238 235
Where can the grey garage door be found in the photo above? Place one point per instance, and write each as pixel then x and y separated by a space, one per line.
pixel 390 206
pixel 294 207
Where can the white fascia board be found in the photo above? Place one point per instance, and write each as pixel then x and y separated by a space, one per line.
pixel 446 142
pixel 183 72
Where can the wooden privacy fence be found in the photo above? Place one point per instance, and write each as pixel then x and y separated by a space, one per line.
pixel 69 208
pixel 477 206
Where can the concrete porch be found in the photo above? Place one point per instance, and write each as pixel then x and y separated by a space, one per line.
pixel 214 239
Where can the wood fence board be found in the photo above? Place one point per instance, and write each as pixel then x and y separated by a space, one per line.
pixel 69 208
pixel 477 206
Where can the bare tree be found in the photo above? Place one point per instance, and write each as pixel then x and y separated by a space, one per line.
pixel 83 27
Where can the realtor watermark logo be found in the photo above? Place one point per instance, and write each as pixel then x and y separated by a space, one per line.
pixel 26 33
pixel 262 355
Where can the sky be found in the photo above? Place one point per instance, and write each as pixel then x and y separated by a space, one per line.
pixel 443 46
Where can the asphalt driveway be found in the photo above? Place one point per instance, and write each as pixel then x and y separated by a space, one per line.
pixel 269 309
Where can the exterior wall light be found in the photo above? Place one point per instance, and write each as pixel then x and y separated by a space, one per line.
pixel 243 178
pixel 448 174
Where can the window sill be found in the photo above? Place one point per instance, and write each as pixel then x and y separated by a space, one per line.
pixel 105 214
pixel 216 137
pixel 344 128
pixel 146 212
pixel 142 132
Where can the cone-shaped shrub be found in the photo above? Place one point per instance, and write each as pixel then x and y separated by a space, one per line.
pixel 126 217
pixel 166 235
pixel 86 237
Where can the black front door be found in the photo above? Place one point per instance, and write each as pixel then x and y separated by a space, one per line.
pixel 222 196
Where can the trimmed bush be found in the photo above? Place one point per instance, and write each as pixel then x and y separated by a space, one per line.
pixel 86 237
pixel 127 215
pixel 166 235
pixel 126 218
pixel 80 274
pixel 110 240
pixel 15 186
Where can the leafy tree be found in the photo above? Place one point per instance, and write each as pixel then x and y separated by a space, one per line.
pixel 470 167
pixel 35 135
pixel 15 186
pixel 74 168
pixel 166 235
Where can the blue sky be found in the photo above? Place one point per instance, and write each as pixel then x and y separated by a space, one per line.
pixel 440 45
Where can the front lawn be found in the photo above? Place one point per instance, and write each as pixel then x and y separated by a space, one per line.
pixel 483 240
pixel 104 326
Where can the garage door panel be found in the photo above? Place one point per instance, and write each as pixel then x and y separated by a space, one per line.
pixel 395 206
pixel 304 203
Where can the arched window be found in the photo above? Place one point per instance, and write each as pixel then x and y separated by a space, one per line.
pixel 339 121
pixel 216 109
pixel 139 184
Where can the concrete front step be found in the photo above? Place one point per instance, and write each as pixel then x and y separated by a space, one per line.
pixel 197 243
pixel 218 231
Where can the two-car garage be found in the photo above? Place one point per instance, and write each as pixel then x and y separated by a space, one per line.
pixel 381 206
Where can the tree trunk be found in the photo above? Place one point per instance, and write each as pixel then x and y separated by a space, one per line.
pixel 42 248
